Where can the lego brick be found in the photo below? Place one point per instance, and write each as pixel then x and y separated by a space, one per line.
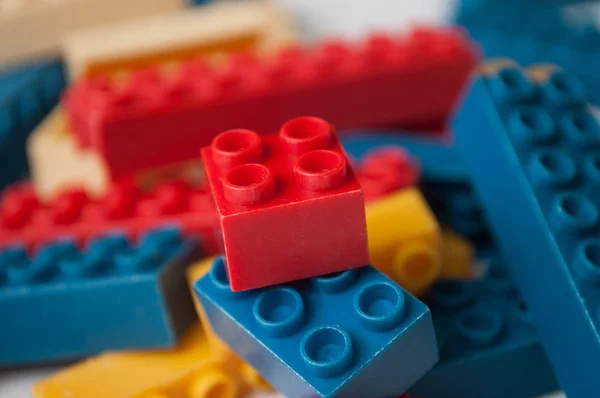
pixel 34 28
pixel 350 334
pixel 386 170
pixel 536 172
pixel 457 256
pixel 488 345
pixel 404 240
pixel 217 346
pixel 112 294
pixel 25 221
pixel 289 204
pixel 190 369
pixel 537 35
pixel 444 179
pixel 217 28
pixel 380 81
pixel 27 93
pixel 57 163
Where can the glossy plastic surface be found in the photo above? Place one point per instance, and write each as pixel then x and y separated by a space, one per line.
pixel 404 240
pixel 289 204
pixel 537 172
pixel 349 334
pixel 488 345
pixel 386 79
pixel 64 303
pixel 72 214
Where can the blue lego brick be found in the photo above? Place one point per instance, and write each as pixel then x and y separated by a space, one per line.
pixel 27 94
pixel 488 345
pixel 534 36
pixel 537 170
pixel 64 303
pixel 351 334
pixel 445 182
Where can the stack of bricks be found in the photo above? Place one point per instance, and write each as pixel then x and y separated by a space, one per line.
pixel 293 295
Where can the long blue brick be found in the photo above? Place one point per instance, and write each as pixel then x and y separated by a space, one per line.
pixel 27 94
pixel 350 334
pixel 65 303
pixel 533 151
pixel 534 35
pixel 488 345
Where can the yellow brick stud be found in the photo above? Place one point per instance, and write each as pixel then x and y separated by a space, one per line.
pixel 405 240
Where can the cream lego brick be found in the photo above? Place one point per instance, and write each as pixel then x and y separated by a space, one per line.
pixel 57 163
pixel 36 28
pixel 258 26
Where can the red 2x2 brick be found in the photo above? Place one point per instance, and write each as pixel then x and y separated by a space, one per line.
pixel 289 204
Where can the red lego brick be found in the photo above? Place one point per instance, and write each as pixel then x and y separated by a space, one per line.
pixel 383 171
pixel 24 220
pixel 289 204
pixel 155 118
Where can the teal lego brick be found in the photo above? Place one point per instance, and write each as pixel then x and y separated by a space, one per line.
pixel 27 94
pixel 537 171
pixel 63 303
pixel 350 334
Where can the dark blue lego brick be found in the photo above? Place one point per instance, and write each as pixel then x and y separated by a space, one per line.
pixel 64 303
pixel 537 170
pixel 536 35
pixel 488 345
pixel 27 94
pixel 445 182
pixel 349 334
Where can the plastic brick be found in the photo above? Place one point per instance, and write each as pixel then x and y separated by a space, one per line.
pixel 219 28
pixel 381 81
pixel 349 334
pixel 488 345
pixel 457 256
pixel 534 35
pixel 536 170
pixel 289 204
pixel 404 240
pixel 110 295
pixel 25 221
pixel 27 93
pixel 383 171
pixel 190 369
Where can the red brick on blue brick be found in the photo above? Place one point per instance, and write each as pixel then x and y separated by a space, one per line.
pixel 290 206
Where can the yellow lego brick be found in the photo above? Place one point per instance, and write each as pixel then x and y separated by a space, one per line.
pixel 405 240
pixel 56 163
pixel 219 349
pixel 190 370
pixel 258 26
pixel 35 28
pixel 457 256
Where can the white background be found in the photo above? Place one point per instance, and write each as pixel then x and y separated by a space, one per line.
pixel 315 18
